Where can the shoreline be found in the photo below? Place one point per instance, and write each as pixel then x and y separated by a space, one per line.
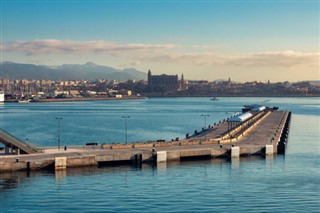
pixel 232 96
pixel 144 97
pixel 80 99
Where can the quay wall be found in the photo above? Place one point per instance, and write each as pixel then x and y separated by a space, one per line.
pixel 130 157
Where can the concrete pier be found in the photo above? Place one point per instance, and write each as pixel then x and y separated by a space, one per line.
pixel 266 135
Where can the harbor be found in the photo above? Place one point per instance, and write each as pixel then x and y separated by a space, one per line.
pixel 48 100
pixel 264 132
pixel 159 106
pixel 180 181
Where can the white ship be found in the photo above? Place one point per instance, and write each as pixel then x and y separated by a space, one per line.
pixel 1 96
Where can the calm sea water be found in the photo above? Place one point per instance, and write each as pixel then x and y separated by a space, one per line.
pixel 284 183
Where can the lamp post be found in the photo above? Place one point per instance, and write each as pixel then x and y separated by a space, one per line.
pixel 205 124
pixel 59 119
pixel 126 127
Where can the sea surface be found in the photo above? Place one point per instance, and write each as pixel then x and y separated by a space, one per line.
pixel 283 183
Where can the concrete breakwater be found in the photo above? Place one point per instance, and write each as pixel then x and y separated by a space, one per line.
pixel 95 156
pixel 266 135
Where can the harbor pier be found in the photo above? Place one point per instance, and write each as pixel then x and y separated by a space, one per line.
pixel 263 133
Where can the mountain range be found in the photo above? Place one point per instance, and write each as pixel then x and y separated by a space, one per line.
pixel 88 71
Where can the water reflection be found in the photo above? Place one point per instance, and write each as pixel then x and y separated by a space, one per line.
pixel 14 180
pixel 162 166
pixel 60 174
pixel 235 163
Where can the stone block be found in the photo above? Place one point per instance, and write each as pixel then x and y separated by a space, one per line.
pixel 60 163
pixel 269 149
pixel 161 156
pixel 235 152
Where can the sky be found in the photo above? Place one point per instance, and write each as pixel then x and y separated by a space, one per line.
pixel 205 40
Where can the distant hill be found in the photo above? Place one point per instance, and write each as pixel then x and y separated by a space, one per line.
pixel 88 71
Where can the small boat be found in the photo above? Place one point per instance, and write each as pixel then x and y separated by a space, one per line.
pixel 1 96
pixel 213 99
pixel 24 101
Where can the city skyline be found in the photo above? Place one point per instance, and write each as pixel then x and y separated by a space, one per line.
pixel 246 40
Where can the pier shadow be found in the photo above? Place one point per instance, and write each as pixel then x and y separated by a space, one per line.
pixel 9 180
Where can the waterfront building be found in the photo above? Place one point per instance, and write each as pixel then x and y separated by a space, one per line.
pixel 165 83
pixel 183 84
pixel 162 83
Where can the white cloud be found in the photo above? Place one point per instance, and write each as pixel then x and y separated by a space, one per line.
pixel 267 59
pixel 53 46
pixel 131 64
pixel 279 59
pixel 165 53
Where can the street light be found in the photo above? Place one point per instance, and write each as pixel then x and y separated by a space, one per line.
pixel 205 124
pixel 58 131
pixel 126 127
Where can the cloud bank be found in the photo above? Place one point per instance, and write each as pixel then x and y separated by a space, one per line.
pixel 164 53
pixel 52 46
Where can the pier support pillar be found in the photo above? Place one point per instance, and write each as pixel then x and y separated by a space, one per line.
pixel 161 156
pixel 60 163
pixel 235 152
pixel 269 149
pixel 6 149
pixel 138 159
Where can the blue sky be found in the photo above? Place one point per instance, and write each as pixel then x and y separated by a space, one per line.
pixel 246 40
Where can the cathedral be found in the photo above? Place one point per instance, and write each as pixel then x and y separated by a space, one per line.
pixel 165 83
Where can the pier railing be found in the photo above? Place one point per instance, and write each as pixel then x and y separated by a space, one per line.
pixel 10 140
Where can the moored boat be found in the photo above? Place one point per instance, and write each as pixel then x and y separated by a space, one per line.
pixel 1 96
pixel 24 101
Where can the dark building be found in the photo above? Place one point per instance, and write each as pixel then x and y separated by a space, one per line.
pixel 162 83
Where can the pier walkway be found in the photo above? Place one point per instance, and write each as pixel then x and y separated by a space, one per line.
pixel 261 135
